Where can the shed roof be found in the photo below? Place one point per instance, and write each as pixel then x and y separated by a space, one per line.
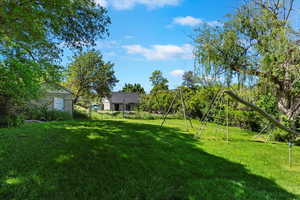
pixel 56 88
pixel 124 97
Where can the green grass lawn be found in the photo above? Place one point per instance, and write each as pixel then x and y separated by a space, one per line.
pixel 135 159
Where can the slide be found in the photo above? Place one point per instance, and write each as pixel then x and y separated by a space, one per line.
pixel 261 111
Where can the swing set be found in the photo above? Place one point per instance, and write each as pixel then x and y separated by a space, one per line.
pixel 203 121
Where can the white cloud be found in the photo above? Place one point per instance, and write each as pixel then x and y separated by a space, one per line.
pixel 192 21
pixel 128 4
pixel 177 72
pixel 187 21
pixel 162 52
pixel 107 44
pixel 102 3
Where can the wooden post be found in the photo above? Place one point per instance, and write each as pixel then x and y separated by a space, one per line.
pixel 227 120
pixel 183 109
pixel 123 108
pixel 191 124
pixel 169 109
pixel 90 110
pixel 290 154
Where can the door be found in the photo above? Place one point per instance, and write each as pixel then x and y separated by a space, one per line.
pixel 117 107
pixel 58 104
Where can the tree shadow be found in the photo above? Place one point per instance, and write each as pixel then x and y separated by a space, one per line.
pixel 120 160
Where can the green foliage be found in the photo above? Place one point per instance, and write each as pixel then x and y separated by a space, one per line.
pixel 189 79
pixel 88 73
pixel 55 115
pixel 198 101
pixel 32 37
pixel 158 81
pixel 106 80
pixel 77 114
pixel 267 102
pixel 258 40
pixel 42 25
pixel 14 120
pixel 245 119
pixel 280 136
pixel 136 88
pixel 157 102
pixel 44 114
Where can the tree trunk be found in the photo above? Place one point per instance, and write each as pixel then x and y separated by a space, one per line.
pixel 4 106
pixel 75 100
pixel 288 105
pixel 288 101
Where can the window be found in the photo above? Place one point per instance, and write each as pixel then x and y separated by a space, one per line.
pixel 58 104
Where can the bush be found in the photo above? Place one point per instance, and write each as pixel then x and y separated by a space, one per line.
pixel 147 117
pixel 280 136
pixel 245 119
pixel 80 115
pixel 36 113
pixel 55 115
pixel 14 120
pixel 2 121
pixel 44 114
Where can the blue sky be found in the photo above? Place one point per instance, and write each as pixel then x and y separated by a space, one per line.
pixel 146 35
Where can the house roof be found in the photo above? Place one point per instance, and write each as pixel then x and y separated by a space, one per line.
pixel 124 97
pixel 56 88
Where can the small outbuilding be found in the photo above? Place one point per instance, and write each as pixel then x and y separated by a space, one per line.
pixel 121 101
pixel 56 97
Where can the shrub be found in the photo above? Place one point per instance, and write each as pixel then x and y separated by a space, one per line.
pixel 44 114
pixel 14 120
pixel 80 115
pixel 280 136
pixel 148 117
pixel 35 113
pixel 55 115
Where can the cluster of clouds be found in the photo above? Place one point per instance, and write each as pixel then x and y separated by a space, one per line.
pixel 129 4
pixel 161 52
pixel 177 73
pixel 155 52
pixel 192 21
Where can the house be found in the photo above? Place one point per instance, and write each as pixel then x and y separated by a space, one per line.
pixel 121 101
pixel 55 97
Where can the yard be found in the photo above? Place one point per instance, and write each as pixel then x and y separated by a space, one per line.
pixel 135 159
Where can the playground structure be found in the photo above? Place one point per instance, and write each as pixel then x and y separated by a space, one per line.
pixel 235 97
pixel 178 93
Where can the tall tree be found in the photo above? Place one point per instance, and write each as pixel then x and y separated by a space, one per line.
pixel 106 80
pixel 189 79
pixel 89 75
pixel 32 36
pixel 158 81
pixel 257 41
pixel 137 88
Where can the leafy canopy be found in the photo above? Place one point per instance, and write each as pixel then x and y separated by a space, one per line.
pixel 257 42
pixel 136 88
pixel 89 76
pixel 158 81
pixel 189 80
pixel 33 35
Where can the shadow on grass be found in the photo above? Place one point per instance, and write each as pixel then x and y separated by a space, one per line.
pixel 119 160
